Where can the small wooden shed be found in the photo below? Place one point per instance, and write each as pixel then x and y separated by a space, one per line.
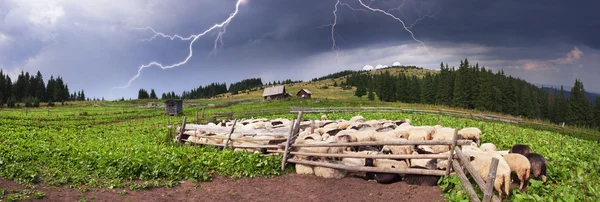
pixel 275 93
pixel 173 107
pixel 303 93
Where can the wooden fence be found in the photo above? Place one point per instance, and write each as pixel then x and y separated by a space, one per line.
pixel 456 159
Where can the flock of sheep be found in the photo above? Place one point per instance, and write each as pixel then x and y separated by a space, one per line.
pixel 519 160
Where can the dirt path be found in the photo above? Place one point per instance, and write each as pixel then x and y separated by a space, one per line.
pixel 286 188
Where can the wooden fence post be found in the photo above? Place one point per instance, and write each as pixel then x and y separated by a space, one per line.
pixel 488 191
pixel 181 130
pixel 454 139
pixel 196 117
pixel 229 136
pixel 465 181
pixel 290 140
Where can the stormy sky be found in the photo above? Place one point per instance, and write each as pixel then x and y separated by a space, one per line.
pixel 93 44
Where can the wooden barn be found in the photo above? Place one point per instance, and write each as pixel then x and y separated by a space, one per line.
pixel 173 107
pixel 275 93
pixel 303 93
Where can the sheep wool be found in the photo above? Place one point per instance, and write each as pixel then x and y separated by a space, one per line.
pixel 519 165
pixel 304 169
pixel 396 149
pixel 357 119
pixel 520 149
pixel 424 163
pixel 486 147
pixel 329 172
pixel 470 134
pixel 481 162
pixel 418 134
pixel 538 166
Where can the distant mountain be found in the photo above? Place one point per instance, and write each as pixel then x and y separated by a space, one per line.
pixel 591 96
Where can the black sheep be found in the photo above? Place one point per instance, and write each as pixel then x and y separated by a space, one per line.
pixel 538 166
pixel 520 149
pixel 381 178
pixel 421 180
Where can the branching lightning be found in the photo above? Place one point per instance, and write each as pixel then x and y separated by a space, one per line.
pixel 367 8
pixel 398 19
pixel 193 39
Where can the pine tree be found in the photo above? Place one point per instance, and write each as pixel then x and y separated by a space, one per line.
pixel 153 94
pixel 360 91
pixel 461 88
pixel 580 109
pixel 371 95
pixel 561 107
pixel 597 112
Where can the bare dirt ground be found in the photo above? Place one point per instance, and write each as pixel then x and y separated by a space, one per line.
pixel 288 188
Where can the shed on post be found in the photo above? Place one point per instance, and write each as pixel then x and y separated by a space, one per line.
pixel 304 93
pixel 173 107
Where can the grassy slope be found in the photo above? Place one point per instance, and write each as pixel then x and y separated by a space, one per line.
pixel 333 92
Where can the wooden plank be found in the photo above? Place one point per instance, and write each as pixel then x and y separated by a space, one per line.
pixel 181 130
pixel 290 140
pixel 454 140
pixel 488 190
pixel 465 181
pixel 383 156
pixel 229 136
pixel 237 146
pixel 467 164
pixel 420 142
pixel 220 129
pixel 370 169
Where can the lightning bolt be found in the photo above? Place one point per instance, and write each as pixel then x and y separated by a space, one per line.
pixel 334 46
pixel 160 34
pixel 191 38
pixel 419 19
pixel 398 19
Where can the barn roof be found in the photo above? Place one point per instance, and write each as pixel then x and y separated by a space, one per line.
pixel 306 90
pixel 275 90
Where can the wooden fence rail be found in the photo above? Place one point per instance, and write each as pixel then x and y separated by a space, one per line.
pixel 456 158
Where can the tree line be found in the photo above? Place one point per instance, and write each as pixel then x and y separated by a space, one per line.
pixel 245 84
pixel 31 90
pixel 475 87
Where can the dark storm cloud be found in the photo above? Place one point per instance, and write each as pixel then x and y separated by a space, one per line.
pixel 91 45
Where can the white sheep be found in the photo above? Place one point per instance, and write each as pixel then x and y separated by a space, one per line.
pixel 396 149
pixel 520 165
pixel 329 172
pixel 442 164
pixel 344 125
pixel 323 117
pixel 304 169
pixel 430 130
pixel 403 130
pixel 357 119
pixel 470 134
pixel 423 163
pixel 380 136
pixel 390 163
pixel 486 147
pixel 418 134
pixel 481 162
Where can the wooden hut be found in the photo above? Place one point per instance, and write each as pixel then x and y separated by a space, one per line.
pixel 303 93
pixel 275 93
pixel 173 107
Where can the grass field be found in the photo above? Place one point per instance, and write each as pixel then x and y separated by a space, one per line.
pixel 103 144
